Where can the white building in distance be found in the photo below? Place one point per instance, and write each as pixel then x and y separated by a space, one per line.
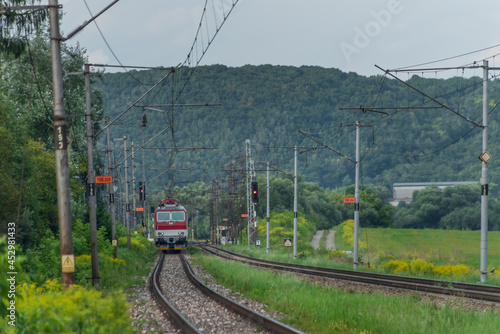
pixel 403 192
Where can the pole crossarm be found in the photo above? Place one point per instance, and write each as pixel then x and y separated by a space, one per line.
pixel 180 148
pixel 434 69
pixel 152 106
pixel 132 66
pixel 365 109
pixel 14 8
pixel 429 97
pixel 86 23
pixel 325 146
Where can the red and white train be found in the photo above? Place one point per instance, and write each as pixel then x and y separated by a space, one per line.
pixel 170 230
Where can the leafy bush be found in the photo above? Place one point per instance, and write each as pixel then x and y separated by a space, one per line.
pixel 346 232
pixel 43 262
pixel 51 309
pixel 339 256
pixel 282 227
pixel 134 243
pixel 110 270
pixel 424 268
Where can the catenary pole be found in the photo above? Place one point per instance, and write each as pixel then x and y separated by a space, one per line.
pixel 268 218
pixel 143 126
pixel 61 151
pixel 356 202
pixel 111 191
pixel 127 205
pixel 134 189
pixel 484 181
pixel 91 179
pixel 295 206
pixel 484 157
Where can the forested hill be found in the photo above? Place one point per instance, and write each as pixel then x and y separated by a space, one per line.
pixel 266 104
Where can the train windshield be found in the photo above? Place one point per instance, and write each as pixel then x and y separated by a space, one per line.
pixel 177 215
pixel 163 216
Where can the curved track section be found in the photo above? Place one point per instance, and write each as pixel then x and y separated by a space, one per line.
pixel 257 319
pixel 467 290
pixel 182 322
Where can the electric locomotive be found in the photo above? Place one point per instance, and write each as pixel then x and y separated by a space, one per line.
pixel 170 230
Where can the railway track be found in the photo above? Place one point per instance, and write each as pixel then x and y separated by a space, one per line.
pixel 173 306
pixel 466 290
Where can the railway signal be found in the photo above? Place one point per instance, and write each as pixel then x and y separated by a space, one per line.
pixel 255 192
pixel 142 193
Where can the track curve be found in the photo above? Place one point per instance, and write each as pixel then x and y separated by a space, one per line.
pixel 189 326
pixel 467 290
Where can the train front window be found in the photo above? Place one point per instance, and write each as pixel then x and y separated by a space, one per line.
pixel 177 215
pixel 163 216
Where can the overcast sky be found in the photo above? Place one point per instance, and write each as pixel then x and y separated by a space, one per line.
pixel 350 35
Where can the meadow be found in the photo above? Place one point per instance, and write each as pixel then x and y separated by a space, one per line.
pixel 316 308
pixel 449 255
pixel 440 247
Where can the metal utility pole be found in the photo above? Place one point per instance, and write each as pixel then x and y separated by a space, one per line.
pixel 91 179
pixel 484 156
pixel 133 188
pixel 119 206
pixel 143 125
pixel 111 191
pixel 127 205
pixel 356 191
pixel 356 201
pixel 267 211
pixel 295 206
pixel 61 151
pixel 484 180
pixel 252 217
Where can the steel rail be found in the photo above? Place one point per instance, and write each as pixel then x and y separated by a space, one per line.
pixel 273 325
pixel 468 290
pixel 154 287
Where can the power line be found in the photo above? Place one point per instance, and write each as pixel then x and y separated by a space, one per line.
pixel 429 97
pixel 109 46
pixel 452 57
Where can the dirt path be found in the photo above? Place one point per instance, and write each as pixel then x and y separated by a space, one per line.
pixel 316 239
pixel 330 241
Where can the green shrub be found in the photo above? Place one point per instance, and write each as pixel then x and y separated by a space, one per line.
pixel 51 309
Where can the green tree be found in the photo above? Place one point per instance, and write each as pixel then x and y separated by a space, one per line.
pixel 15 26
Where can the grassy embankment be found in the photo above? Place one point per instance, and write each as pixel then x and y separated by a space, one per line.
pixel 43 305
pixel 437 246
pixel 442 254
pixel 319 309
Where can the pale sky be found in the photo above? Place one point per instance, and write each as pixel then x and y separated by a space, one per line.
pixel 350 35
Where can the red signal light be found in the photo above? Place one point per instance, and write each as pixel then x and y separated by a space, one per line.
pixel 255 192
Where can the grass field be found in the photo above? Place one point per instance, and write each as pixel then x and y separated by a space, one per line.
pixel 324 309
pixel 436 246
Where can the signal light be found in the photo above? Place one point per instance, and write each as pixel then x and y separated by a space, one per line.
pixel 255 192
pixel 142 193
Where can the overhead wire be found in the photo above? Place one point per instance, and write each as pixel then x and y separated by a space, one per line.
pixel 110 49
pixel 188 61
pixel 460 90
pixel 449 58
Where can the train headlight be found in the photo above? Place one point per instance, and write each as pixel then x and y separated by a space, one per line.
pixel 181 233
pixel 160 233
